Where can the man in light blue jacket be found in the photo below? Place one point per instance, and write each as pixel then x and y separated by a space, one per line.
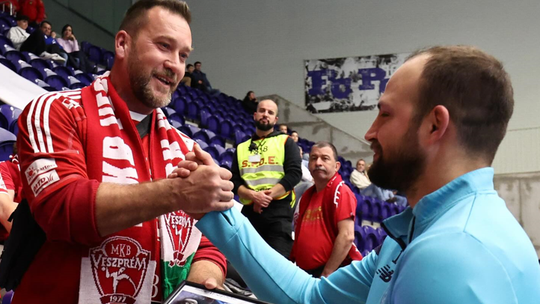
pixel 440 122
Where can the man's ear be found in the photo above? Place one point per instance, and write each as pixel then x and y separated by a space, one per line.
pixel 122 43
pixel 338 165
pixel 437 122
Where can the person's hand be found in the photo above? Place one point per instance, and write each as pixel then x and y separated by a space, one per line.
pixel 257 208
pixel 72 37
pixel 261 198
pixel 326 273
pixel 202 185
pixel 184 169
pixel 206 189
pixel 53 34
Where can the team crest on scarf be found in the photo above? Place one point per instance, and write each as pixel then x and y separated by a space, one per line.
pixel 179 226
pixel 119 266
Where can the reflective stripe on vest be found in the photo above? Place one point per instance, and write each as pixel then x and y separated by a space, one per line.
pixel 269 170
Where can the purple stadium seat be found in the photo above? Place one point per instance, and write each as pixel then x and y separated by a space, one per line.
pixel 178 118
pixel 180 105
pixel 218 140
pixel 4 26
pixel 215 151
pixel 176 124
pixel 14 55
pixel 5 40
pixel 201 143
pixel 10 19
pixel 228 155
pixel 370 240
pixel 39 63
pixel 168 111
pixel 213 124
pixel 95 53
pixel 7 139
pixel 7 297
pixel 226 164
pixel 30 73
pixel 63 71
pixel 11 114
pixel 108 59
pixel 7 63
pixel 239 137
pixel 203 117
pixel 86 79
pixel 58 82
pixel 385 211
pixel 193 109
pixel 226 129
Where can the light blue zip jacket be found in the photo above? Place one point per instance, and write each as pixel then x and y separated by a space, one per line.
pixel 459 245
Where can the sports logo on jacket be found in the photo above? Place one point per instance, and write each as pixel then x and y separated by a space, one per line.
pixel 179 226
pixel 119 266
pixel 41 174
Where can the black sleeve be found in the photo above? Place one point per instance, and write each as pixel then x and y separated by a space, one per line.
pixel 292 166
pixel 236 178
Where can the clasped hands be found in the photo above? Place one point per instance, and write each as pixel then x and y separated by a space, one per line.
pixel 207 187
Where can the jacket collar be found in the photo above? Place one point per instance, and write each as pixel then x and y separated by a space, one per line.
pixel 412 222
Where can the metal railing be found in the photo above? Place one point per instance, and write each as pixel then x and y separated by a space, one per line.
pixel 9 5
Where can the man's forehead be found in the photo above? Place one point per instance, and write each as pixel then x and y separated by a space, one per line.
pixel 404 83
pixel 268 104
pixel 326 151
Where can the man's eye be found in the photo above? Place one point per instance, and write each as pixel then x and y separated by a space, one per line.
pixel 165 45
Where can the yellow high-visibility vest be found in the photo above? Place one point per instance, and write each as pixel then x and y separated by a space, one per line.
pixel 268 171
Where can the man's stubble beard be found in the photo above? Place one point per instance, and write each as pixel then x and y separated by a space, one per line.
pixel 401 171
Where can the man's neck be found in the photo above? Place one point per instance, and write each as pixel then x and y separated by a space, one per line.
pixel 319 186
pixel 261 133
pixel 124 90
pixel 436 175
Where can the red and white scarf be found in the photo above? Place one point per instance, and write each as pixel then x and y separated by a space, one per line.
pixel 125 267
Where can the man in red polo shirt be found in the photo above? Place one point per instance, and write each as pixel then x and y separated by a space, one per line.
pixel 324 222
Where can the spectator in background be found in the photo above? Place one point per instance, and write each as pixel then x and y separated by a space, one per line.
pixel 324 223
pixel 71 46
pixel 34 9
pixel 52 45
pixel 265 170
pixel 250 102
pixel 294 136
pixel 359 177
pixel 188 76
pixel 283 129
pixel 199 80
pixel 10 192
pixel 18 34
pixel 305 182
pixel 37 43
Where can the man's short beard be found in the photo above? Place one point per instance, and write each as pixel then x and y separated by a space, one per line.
pixel 401 170
pixel 262 126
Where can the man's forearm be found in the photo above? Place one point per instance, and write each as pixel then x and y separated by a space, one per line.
pixel 342 245
pixel 119 207
pixel 245 193
pixel 277 191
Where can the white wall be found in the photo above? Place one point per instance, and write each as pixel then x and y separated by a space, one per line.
pixel 260 45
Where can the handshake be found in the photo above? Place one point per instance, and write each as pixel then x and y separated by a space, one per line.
pixel 200 185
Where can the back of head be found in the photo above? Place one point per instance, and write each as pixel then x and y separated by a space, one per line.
pixel 475 89
pixel 136 15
